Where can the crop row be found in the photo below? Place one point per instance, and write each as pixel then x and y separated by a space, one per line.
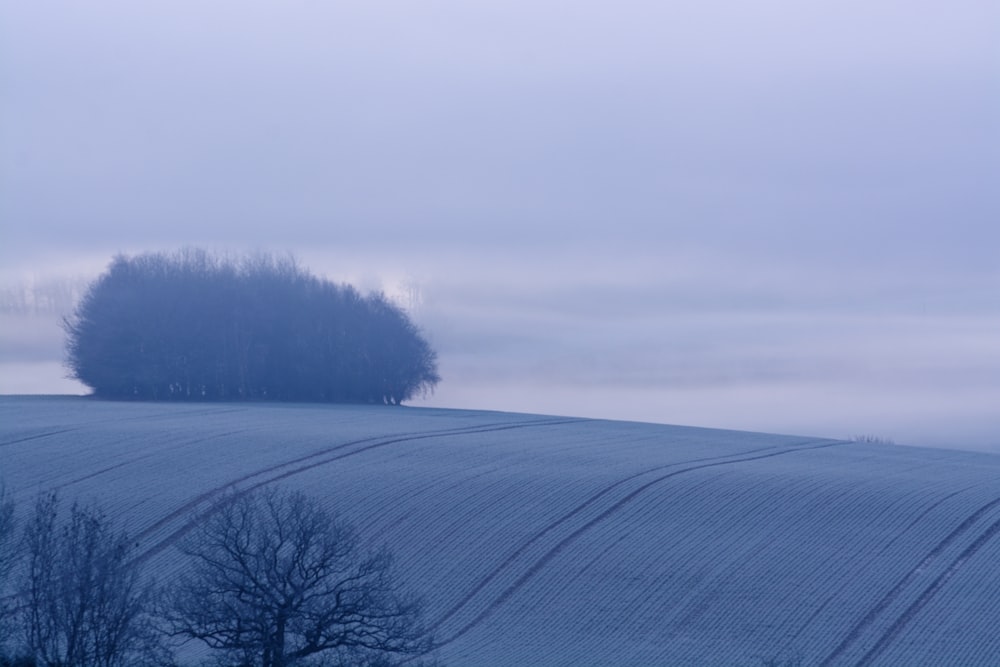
pixel 590 542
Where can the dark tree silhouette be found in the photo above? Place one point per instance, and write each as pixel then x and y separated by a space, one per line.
pixel 274 581
pixel 192 326
pixel 83 603
pixel 8 558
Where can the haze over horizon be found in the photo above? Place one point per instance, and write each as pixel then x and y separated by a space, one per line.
pixel 776 217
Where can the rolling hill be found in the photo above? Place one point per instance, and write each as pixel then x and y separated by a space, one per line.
pixel 555 541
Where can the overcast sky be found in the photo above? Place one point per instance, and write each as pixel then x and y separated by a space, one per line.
pixel 771 215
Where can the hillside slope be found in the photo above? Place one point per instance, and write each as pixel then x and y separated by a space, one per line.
pixel 554 541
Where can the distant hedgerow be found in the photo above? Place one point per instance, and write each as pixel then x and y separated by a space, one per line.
pixel 192 326
pixel 872 439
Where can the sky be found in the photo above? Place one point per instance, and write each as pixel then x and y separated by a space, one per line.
pixel 779 216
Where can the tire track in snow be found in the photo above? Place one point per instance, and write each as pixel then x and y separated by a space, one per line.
pixel 691 608
pixel 367 444
pixel 897 627
pixel 499 569
pixel 38 436
pixel 608 512
pixel 132 460
pixel 869 618
pixel 885 549
pixel 49 434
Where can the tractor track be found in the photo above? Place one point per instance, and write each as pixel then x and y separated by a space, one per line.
pixel 560 546
pixel 131 461
pixel 146 418
pixel 890 596
pixel 38 436
pixel 310 461
pixel 485 581
pixel 830 599
pixel 929 592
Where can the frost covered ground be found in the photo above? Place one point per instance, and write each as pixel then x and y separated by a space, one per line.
pixel 552 541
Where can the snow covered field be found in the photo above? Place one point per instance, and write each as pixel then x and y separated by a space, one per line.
pixel 553 541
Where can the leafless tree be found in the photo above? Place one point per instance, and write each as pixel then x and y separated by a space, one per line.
pixel 274 580
pixel 8 543
pixel 8 557
pixel 83 603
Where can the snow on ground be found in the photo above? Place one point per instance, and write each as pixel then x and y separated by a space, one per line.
pixel 557 541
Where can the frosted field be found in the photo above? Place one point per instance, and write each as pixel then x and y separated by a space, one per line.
pixel 552 541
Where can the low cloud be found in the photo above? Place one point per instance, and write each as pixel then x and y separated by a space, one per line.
pixel 780 217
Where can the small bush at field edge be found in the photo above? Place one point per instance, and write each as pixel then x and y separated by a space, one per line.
pixel 872 439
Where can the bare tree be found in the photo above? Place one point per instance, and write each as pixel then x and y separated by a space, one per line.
pixel 8 557
pixel 83 603
pixel 275 580
pixel 8 543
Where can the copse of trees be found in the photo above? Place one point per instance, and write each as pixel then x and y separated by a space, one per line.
pixel 194 326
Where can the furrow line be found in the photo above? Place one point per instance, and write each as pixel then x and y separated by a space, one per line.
pixel 745 504
pixel 885 549
pixel 390 526
pixel 572 537
pixel 204 497
pixel 454 609
pixel 840 575
pixel 644 610
pixel 132 460
pixel 890 635
pixel 197 412
pixel 850 497
pixel 38 436
pixel 905 581
pixel 377 442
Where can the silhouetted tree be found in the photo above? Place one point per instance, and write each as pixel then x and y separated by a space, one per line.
pixel 83 603
pixel 274 581
pixel 8 557
pixel 191 326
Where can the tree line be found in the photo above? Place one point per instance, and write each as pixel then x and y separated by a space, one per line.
pixel 271 580
pixel 195 326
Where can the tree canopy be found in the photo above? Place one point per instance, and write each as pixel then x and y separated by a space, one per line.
pixel 193 326
pixel 275 580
